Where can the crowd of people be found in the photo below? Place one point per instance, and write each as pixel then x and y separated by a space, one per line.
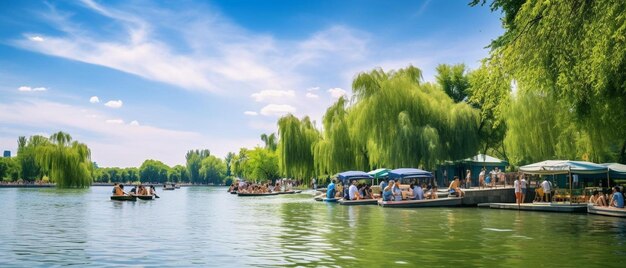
pixel 391 190
pixel 613 199
pixel 281 185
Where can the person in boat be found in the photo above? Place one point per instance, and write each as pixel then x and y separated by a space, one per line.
pixel 361 187
pixel 455 187
pixel 133 190
pixel 368 194
pixel 119 190
pixel 339 189
pixel 152 190
pixel 418 192
pixel 330 190
pixel 353 191
pixel 388 191
pixel 382 185
pixel 617 199
pixel 114 186
pixel 397 192
pixel 597 199
pixel 432 193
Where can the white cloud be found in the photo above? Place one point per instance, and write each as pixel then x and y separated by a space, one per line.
pixel 277 109
pixel 115 121
pixel 37 38
pixel 94 99
pixel 134 123
pixel 311 89
pixel 337 92
pixel 251 113
pixel 273 94
pixel 114 104
pixel 29 89
pixel 311 95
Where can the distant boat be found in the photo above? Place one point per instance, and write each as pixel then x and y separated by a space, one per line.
pixel 440 202
pixel 124 197
pixel 176 186
pixel 169 188
pixel 606 211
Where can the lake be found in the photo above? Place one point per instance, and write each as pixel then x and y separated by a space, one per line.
pixel 206 226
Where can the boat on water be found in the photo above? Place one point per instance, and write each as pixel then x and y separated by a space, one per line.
pixel 145 197
pixel 290 192
pixel 257 194
pixel 606 211
pixel 124 197
pixel 440 202
pixel 177 186
pixel 358 202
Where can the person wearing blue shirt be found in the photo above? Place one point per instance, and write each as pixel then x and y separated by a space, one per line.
pixel 418 192
pixel 383 184
pixel 330 192
pixel 617 199
pixel 387 191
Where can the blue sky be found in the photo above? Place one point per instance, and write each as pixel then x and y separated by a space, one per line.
pixel 138 80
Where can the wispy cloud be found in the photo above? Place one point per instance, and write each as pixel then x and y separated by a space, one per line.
pixel 114 121
pixel 29 89
pixel 114 104
pixel 273 94
pixel 94 99
pixel 277 109
pixel 312 95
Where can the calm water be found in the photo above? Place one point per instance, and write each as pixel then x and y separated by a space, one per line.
pixel 204 226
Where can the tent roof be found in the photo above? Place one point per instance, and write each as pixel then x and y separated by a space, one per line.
pixel 353 175
pixel 616 169
pixel 378 173
pixel 483 158
pixel 563 167
pixel 406 173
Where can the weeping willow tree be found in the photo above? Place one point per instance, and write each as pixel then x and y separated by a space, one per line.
pixel 297 139
pixel 399 121
pixel 67 162
pixel 334 152
pixel 574 52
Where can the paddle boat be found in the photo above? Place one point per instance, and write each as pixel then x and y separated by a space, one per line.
pixel 606 211
pixel 439 202
pixel 145 197
pixel 358 202
pixel 124 197
pixel 168 188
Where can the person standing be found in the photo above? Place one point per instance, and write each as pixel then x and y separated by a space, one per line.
pixel 468 179
pixel 547 190
pixel 481 178
pixel 517 184
pixel 524 186
pixel 383 185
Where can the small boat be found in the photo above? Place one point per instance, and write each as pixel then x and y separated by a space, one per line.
pixel 331 200
pixel 145 197
pixel 168 188
pixel 124 197
pixel 440 202
pixel 606 211
pixel 257 194
pixel 358 202
pixel 177 186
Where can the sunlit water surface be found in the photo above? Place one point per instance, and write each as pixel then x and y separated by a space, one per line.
pixel 205 226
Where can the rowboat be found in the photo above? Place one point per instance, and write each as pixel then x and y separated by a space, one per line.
pixel 331 200
pixel 606 211
pixel 256 194
pixel 145 197
pixel 358 202
pixel 168 188
pixel 440 202
pixel 124 197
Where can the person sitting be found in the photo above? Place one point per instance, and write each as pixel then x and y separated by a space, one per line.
pixel 418 192
pixel 152 190
pixel 368 194
pixel 597 200
pixel 119 190
pixel 387 192
pixel 134 190
pixel 455 188
pixel 538 194
pixel 114 187
pixel 397 192
pixel 617 200
pixel 330 190
pixel 353 191
pixel 339 191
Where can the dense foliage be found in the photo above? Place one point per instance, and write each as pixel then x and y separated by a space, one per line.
pixel 66 162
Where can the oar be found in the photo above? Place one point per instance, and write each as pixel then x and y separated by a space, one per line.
pixel 155 195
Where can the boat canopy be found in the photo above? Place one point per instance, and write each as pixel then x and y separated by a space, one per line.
pixel 564 167
pixel 353 175
pixel 379 173
pixel 616 170
pixel 409 173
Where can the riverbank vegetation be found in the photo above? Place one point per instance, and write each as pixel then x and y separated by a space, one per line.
pixel 552 87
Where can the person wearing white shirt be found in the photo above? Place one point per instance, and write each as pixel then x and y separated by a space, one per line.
pixel 524 184
pixel 547 190
pixel 352 191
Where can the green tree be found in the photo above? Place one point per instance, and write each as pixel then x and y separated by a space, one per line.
pixel 194 159
pixel 212 170
pixel 67 162
pixel 295 148
pixel 454 81
pixel 153 171
pixel 26 152
pixel 262 165
pixel 9 168
pixel 270 141
pixel 178 173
